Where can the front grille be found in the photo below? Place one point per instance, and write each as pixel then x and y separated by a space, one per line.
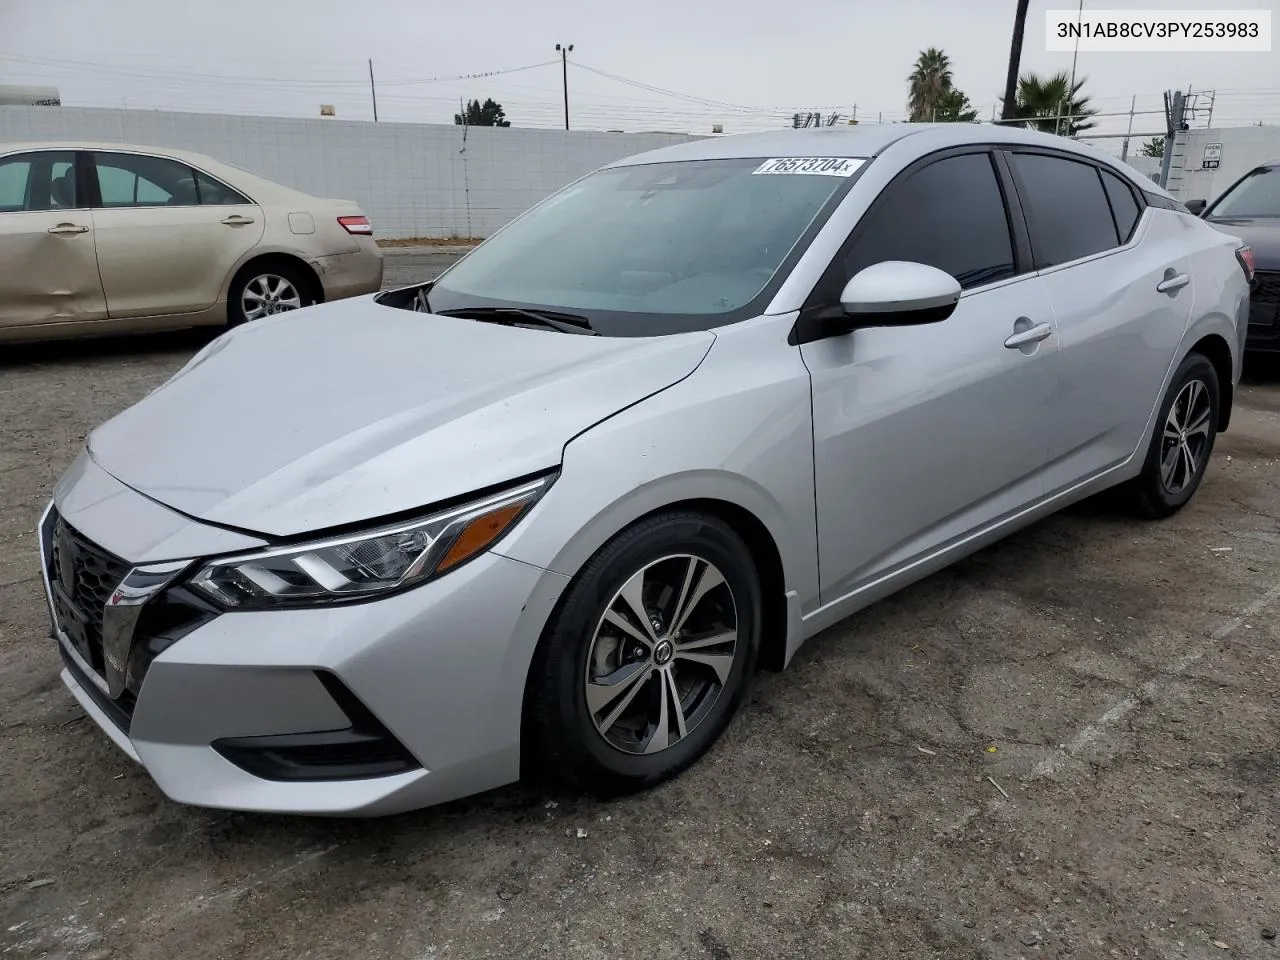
pixel 1264 301
pixel 82 577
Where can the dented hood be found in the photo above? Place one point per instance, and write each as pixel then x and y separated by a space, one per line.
pixel 352 411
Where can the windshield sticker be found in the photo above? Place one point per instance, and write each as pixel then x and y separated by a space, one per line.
pixel 821 166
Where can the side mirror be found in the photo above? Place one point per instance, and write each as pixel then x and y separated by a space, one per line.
pixel 1196 206
pixel 897 293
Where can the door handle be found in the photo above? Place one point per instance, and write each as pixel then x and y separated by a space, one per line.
pixel 1172 284
pixel 68 228
pixel 1041 331
pixel 236 220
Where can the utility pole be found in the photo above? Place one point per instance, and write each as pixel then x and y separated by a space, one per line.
pixel 373 91
pixel 1071 87
pixel 1010 106
pixel 564 71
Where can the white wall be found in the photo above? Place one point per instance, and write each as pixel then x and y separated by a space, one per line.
pixel 1243 148
pixel 413 180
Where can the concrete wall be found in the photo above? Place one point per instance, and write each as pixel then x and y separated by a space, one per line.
pixel 1243 148
pixel 413 180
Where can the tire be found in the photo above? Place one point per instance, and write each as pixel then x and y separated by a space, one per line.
pixel 574 740
pixel 1173 468
pixel 274 286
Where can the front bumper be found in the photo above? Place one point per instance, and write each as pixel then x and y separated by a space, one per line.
pixel 435 674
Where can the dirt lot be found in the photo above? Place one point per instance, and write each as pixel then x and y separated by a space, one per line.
pixel 1064 746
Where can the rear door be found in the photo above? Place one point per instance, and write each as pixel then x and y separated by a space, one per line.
pixel 168 235
pixel 1121 287
pixel 48 271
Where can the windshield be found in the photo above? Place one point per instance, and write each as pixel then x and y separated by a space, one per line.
pixel 652 249
pixel 1257 195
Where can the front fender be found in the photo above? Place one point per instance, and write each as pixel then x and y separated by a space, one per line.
pixel 738 430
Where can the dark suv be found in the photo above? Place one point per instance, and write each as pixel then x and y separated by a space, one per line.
pixel 1250 209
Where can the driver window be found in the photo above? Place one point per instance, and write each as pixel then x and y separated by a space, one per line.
pixel 950 215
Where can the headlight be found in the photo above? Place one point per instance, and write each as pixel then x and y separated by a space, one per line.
pixel 366 564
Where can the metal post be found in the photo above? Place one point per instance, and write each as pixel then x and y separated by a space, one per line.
pixel 1124 150
pixel 1174 109
pixel 1071 87
pixel 373 92
pixel 1213 95
pixel 564 70
pixel 1057 121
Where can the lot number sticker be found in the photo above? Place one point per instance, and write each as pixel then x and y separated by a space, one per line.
pixel 821 166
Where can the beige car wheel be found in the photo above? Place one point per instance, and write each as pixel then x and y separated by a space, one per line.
pixel 266 291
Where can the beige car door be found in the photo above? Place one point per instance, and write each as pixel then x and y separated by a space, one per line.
pixel 48 272
pixel 161 250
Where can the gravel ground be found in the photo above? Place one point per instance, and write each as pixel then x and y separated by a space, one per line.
pixel 1063 746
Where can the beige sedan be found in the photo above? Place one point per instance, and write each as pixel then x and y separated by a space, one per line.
pixel 107 238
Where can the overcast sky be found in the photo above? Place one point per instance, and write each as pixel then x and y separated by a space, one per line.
pixel 758 60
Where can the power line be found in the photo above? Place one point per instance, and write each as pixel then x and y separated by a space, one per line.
pixel 670 93
pixel 186 75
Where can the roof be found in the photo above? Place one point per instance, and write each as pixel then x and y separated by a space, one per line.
pixel 261 189
pixel 871 139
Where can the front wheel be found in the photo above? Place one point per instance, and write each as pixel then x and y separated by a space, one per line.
pixel 1183 440
pixel 648 657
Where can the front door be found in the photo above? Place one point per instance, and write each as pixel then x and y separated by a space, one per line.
pixel 925 434
pixel 48 270
pixel 163 246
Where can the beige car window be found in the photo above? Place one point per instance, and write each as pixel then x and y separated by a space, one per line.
pixel 136 180
pixel 38 181
pixel 216 193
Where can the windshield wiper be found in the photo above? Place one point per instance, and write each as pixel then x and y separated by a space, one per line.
pixel 513 316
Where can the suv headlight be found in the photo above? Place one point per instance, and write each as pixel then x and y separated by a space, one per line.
pixel 366 564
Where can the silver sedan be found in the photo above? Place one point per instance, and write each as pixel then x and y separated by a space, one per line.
pixel 552 510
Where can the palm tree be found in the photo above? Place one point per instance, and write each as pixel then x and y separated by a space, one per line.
pixel 930 81
pixel 1045 104
pixel 1015 58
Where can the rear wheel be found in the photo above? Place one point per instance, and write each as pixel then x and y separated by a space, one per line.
pixel 265 289
pixel 1183 440
pixel 648 656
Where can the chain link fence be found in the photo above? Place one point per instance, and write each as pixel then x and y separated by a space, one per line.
pixel 1127 149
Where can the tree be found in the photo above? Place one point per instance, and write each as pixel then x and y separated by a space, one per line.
pixel 932 96
pixel 954 107
pixel 929 83
pixel 1153 147
pixel 487 114
pixel 1041 101
pixel 1015 61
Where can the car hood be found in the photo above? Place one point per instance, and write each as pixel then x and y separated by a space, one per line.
pixel 352 411
pixel 1261 234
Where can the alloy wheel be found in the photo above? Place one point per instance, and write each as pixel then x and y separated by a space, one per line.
pixel 661 654
pixel 1186 437
pixel 268 294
